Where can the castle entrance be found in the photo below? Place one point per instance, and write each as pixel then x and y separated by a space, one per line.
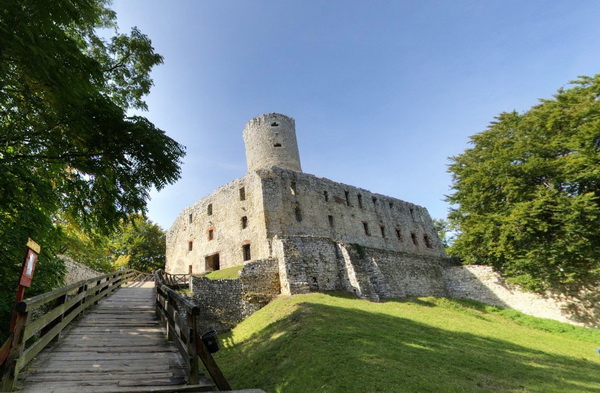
pixel 212 262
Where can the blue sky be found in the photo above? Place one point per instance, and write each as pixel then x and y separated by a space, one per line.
pixel 383 92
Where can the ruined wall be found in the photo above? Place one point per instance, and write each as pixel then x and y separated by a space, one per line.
pixel 303 204
pixel 226 302
pixel 481 283
pixel 77 272
pixel 216 225
pixel 308 263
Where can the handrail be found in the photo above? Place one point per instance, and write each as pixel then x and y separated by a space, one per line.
pixel 54 310
pixel 180 317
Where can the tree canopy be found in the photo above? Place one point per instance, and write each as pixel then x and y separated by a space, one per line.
pixel 68 146
pixel 527 194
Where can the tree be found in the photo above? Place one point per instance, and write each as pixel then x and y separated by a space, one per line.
pixel 68 148
pixel 140 244
pixel 527 193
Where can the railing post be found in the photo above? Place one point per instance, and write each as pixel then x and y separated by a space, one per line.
pixel 9 370
pixel 191 347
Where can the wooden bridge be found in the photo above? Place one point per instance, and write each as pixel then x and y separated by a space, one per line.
pixel 141 338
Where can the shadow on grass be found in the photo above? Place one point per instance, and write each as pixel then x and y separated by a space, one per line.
pixel 333 349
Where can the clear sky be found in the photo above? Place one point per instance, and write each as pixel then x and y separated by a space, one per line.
pixel 383 92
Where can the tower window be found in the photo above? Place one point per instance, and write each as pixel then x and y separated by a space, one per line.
pixel 382 231
pixel 209 209
pixel 366 228
pixel 391 205
pixel 360 201
pixel 211 234
pixel 190 218
pixel 293 188
pixel 246 252
pixel 274 124
pixel 298 214
pixel 190 245
pixel 277 145
pixel 330 218
pixel 374 201
pixel 244 222
pixel 399 234
pixel 347 194
pixel 242 194
pixel 427 241
pixel 414 238
pixel 326 195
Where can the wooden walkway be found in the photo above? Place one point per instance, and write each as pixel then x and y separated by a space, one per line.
pixel 119 346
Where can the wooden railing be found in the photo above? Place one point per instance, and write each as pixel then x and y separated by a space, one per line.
pixel 180 316
pixel 41 319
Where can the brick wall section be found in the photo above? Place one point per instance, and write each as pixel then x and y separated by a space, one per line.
pixel 481 283
pixel 77 272
pixel 224 303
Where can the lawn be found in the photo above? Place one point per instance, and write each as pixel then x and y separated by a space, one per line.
pixel 335 343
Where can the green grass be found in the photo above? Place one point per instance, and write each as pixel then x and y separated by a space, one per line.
pixel 229 273
pixel 335 343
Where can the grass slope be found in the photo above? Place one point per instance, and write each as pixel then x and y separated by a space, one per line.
pixel 333 343
pixel 229 273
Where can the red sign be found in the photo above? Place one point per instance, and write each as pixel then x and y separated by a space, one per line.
pixel 28 268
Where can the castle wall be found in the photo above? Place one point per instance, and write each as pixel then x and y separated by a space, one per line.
pixel 220 216
pixel 302 204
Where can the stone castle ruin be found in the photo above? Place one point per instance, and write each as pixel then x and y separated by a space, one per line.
pixel 296 233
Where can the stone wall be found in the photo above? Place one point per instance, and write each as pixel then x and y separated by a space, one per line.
pixel 308 263
pixel 481 283
pixel 226 302
pixel 77 272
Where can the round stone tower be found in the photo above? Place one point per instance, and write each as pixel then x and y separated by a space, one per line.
pixel 271 141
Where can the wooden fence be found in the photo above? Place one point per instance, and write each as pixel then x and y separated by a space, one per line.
pixel 179 315
pixel 41 319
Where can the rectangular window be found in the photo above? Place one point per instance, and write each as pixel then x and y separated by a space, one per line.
pixel 414 238
pixel 347 197
pixel 246 251
pixel 244 222
pixel 326 195
pixel 190 269
pixel 366 228
pixel 398 234
pixel 190 218
pixel 360 201
pixel 209 209
pixel 391 205
pixel 330 218
pixel 211 234
pixel 427 240
pixel 293 188
pixel 374 201
pixel 242 194
pixel 190 245
pixel 212 263
pixel 382 231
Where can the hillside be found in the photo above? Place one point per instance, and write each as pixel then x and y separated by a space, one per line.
pixel 334 343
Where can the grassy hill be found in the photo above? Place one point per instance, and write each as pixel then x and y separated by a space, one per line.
pixel 334 343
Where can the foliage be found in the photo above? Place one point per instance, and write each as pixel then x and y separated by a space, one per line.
pixel 528 192
pixel 140 244
pixel 320 342
pixel 443 230
pixel 68 149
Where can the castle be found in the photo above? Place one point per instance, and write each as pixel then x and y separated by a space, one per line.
pixel 321 235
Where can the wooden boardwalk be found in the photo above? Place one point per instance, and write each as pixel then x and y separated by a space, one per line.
pixel 118 346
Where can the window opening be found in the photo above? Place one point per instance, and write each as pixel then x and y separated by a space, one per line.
pixel 212 263
pixel 242 194
pixel 330 218
pixel 274 124
pixel 190 245
pixel 326 195
pixel 414 238
pixel 293 188
pixel 190 269
pixel 209 209
pixel 398 234
pixel 360 201
pixel 366 228
pixel 391 205
pixel 244 222
pixel 412 213
pixel 211 234
pixel 427 241
pixel 190 218
pixel 382 231
pixel 374 201
pixel 298 214
pixel 277 145
pixel 347 197
pixel 246 252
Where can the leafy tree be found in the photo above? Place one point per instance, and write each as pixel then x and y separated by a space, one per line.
pixel 443 230
pixel 528 192
pixel 68 148
pixel 140 245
